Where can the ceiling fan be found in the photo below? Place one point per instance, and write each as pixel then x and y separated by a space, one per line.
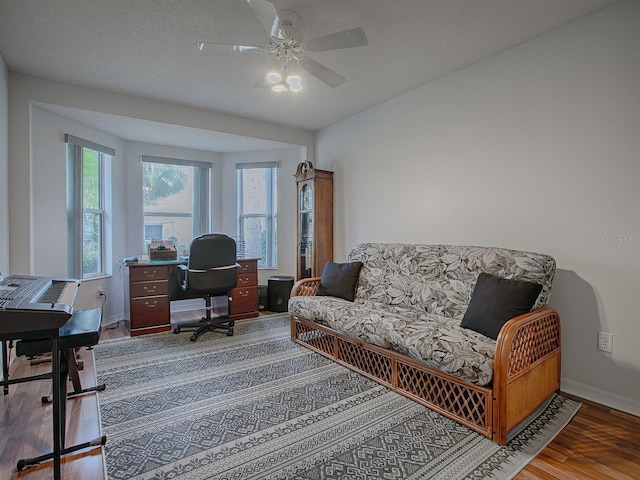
pixel 289 49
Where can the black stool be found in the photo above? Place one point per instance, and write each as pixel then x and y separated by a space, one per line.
pixel 81 330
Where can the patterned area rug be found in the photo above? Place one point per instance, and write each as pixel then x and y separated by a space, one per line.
pixel 258 406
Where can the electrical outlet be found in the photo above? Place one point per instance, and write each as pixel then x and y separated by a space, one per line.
pixel 605 342
pixel 100 292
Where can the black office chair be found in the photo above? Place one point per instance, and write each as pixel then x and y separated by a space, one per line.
pixel 212 272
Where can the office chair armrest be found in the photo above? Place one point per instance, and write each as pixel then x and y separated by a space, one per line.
pixel 183 272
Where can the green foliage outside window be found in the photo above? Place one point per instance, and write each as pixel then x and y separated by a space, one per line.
pixel 92 217
pixel 162 181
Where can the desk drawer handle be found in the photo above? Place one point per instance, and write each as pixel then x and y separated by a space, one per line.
pixel 244 294
pixel 155 303
pixel 244 267
pixel 148 274
pixel 150 290
pixel 243 280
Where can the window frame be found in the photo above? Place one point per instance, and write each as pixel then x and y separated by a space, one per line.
pixel 270 215
pixel 76 210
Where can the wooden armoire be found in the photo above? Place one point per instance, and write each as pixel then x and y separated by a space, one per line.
pixel 315 220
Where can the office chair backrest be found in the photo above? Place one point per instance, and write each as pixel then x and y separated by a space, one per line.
pixel 212 264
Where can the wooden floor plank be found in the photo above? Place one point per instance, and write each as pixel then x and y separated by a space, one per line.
pixel 599 443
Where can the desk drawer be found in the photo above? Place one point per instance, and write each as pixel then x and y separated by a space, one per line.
pixel 149 311
pixel 247 266
pixel 247 280
pixel 148 273
pixel 243 300
pixel 146 289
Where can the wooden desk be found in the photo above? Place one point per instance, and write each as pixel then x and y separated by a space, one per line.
pixel 152 286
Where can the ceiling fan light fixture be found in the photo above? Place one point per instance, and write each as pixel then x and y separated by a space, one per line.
pixel 280 87
pixel 293 78
pixel 295 87
pixel 274 74
pixel 294 82
pixel 274 77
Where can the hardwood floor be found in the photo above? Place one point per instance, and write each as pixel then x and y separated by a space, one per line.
pixel 599 443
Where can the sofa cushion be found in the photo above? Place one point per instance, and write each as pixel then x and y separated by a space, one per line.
pixel 442 343
pixel 439 279
pixel 353 318
pixel 339 280
pixel 496 300
pixel 434 339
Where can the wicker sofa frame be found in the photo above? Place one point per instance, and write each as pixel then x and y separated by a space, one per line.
pixel 526 369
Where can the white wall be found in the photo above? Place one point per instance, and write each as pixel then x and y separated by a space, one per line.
pixel 4 167
pixel 535 148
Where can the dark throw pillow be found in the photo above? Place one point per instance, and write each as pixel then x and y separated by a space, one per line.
pixel 339 280
pixel 496 300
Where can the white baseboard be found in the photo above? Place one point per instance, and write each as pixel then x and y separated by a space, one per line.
pixel 624 404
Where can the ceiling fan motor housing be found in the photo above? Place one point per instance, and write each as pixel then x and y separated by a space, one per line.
pixel 288 18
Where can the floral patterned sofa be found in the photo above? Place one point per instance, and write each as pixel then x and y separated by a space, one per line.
pixel 411 328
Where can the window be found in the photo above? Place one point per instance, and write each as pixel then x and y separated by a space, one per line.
pixel 88 207
pixel 175 200
pixel 258 211
pixel 152 230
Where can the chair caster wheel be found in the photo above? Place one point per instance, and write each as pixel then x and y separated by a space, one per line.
pixel 193 337
pixel 232 323
pixel 176 330
pixel 230 333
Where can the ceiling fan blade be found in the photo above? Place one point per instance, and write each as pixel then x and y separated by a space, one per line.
pixel 335 41
pixel 224 47
pixel 267 15
pixel 321 72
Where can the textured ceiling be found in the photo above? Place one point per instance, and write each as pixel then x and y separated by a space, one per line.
pixel 148 48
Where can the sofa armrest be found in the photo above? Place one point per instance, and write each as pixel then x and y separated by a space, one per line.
pixel 526 367
pixel 305 287
pixel 525 339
